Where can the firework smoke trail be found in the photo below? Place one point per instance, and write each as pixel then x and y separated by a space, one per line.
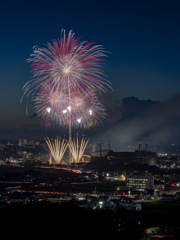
pixel 76 150
pixel 57 148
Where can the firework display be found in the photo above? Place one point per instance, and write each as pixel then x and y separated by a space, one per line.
pixel 67 76
pixel 77 150
pixel 57 148
pixel 68 64
pixel 59 108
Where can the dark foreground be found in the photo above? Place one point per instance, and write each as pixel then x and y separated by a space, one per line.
pixel 48 220
pixel 44 220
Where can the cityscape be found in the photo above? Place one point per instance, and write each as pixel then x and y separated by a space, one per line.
pixel 89 123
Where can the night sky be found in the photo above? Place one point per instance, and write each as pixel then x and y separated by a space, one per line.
pixel 142 37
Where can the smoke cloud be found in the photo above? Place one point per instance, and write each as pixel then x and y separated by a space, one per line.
pixel 157 123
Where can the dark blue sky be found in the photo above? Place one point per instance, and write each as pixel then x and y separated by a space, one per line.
pixel 142 36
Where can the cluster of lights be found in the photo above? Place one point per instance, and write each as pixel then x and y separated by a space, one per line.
pixel 69 109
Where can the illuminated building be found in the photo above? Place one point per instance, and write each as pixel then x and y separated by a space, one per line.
pixel 140 181
pixel 24 141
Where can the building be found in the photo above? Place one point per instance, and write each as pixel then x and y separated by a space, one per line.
pixel 20 142
pixel 31 142
pixel 138 156
pixel 25 141
pixel 159 186
pixel 140 181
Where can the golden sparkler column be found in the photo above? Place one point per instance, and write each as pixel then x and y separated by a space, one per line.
pixel 57 148
pixel 77 150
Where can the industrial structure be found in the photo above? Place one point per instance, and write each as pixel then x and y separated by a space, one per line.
pixel 126 157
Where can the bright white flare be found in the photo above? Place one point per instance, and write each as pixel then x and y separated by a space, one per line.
pixel 77 150
pixel 64 111
pixel 48 109
pixel 66 70
pixel 57 148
